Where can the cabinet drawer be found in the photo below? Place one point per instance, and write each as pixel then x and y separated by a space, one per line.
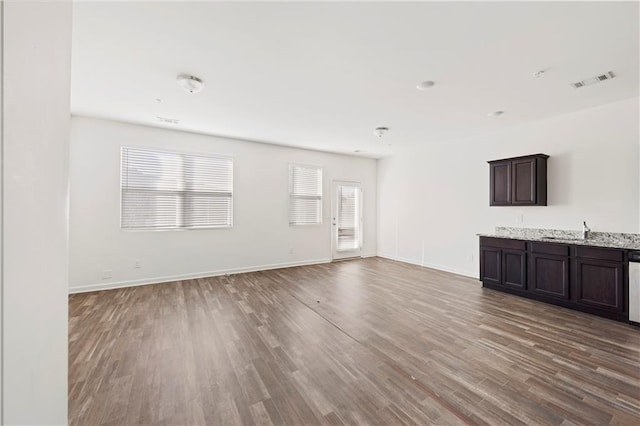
pixel 503 243
pixel 614 255
pixel 550 248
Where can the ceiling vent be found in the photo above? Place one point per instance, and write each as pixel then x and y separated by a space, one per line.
pixel 168 120
pixel 593 80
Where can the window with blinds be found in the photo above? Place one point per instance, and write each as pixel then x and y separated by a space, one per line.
pixel 171 190
pixel 305 195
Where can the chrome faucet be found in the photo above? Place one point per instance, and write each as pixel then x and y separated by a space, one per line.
pixel 585 230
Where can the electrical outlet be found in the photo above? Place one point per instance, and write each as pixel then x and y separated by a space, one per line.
pixel 290 250
pixel 471 257
pixel 137 264
pixel 521 218
pixel 107 274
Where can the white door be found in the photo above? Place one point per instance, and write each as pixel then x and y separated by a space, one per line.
pixel 346 223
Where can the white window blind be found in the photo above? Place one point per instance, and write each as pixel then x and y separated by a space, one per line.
pixel 348 218
pixel 171 190
pixel 305 195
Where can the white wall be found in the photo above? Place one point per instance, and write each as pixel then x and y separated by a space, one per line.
pixel 1 201
pixel 260 238
pixel 434 197
pixel 37 69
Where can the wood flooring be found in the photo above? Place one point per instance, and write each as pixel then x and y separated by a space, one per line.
pixel 368 341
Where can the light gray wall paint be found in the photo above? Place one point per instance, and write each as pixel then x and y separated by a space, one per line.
pixel 261 236
pixel 1 209
pixel 37 70
pixel 433 200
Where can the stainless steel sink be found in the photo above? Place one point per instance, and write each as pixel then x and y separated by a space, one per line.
pixel 562 239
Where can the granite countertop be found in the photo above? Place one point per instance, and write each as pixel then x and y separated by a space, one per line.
pixel 596 239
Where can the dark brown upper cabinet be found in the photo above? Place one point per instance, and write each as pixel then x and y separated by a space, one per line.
pixel 518 181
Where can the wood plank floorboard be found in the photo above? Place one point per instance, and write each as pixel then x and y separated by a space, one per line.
pixel 368 341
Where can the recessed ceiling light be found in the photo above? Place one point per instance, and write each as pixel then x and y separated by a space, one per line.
pixel 425 85
pixel 495 113
pixel 380 131
pixel 190 83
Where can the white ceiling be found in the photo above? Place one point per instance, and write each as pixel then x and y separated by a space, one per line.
pixel 324 75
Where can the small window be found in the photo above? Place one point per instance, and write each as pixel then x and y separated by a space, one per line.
pixel 305 195
pixel 171 190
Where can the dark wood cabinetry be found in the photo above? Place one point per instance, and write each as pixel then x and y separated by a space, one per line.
pixel 514 268
pixel 503 263
pixel 500 183
pixel 600 284
pixel 590 279
pixel 600 278
pixel 491 265
pixel 549 275
pixel 549 270
pixel 518 181
pixel 523 181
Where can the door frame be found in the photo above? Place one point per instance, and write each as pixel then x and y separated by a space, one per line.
pixel 333 227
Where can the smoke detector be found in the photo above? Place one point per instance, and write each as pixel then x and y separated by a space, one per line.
pixel 593 80
pixel 190 83
pixel 380 131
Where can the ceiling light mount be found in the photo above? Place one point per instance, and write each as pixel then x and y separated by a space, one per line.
pixel 495 113
pixel 190 83
pixel 379 132
pixel 538 74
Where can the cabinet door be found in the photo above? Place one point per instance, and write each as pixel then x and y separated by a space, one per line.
pixel 549 275
pixel 600 284
pixel 500 184
pixel 490 265
pixel 514 270
pixel 523 181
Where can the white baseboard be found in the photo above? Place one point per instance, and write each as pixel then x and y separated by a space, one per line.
pixel 158 280
pixel 219 272
pixel 430 265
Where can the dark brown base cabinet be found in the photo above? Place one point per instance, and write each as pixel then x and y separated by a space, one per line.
pixel 549 270
pixel 504 264
pixel 588 279
pixel 549 275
